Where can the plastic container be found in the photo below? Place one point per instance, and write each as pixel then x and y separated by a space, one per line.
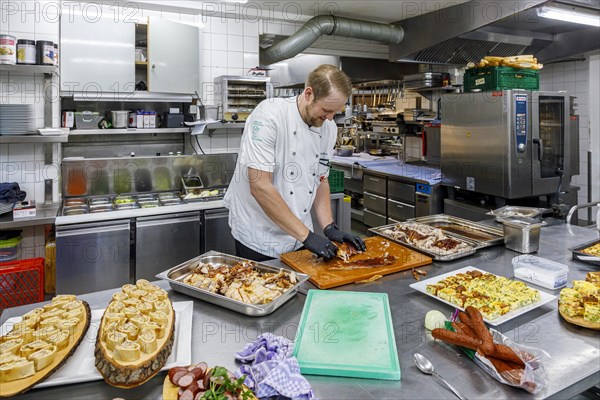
pixel 522 234
pixel 501 78
pixel 21 282
pixel 87 119
pixel 8 49
pixel 336 181
pixel 542 272
pixel 45 52
pixel 26 51
pixel 10 248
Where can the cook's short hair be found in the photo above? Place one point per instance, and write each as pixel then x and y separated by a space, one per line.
pixel 327 79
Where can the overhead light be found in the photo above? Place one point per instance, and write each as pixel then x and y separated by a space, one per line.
pixel 566 13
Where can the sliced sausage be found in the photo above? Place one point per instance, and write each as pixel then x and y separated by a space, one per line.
pixel 174 371
pixel 177 376
pixel 186 380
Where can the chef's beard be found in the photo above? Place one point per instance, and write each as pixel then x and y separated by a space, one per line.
pixel 315 122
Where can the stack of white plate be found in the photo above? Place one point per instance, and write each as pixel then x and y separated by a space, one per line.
pixel 17 119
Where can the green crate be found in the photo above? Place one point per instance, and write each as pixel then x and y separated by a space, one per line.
pixel 501 78
pixel 336 181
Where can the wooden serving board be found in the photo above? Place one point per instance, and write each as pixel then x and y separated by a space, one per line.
pixel 304 261
pixel 580 321
pixel 12 388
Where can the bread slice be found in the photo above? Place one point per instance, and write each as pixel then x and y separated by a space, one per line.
pixel 127 356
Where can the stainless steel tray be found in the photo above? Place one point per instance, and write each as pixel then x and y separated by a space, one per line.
pixel 516 211
pixel 484 235
pixel 438 257
pixel 578 255
pixel 176 275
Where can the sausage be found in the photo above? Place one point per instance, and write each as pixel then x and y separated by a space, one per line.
pixel 465 319
pixel 482 332
pixel 187 395
pixel 464 329
pixel 186 380
pixel 501 365
pixel 198 373
pixel 456 338
pixel 505 353
pixel 173 371
pixel 177 376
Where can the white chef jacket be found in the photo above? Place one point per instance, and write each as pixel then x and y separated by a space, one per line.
pixel 276 139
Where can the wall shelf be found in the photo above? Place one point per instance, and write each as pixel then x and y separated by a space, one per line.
pixel 127 131
pixel 31 69
pixel 212 127
pixel 33 139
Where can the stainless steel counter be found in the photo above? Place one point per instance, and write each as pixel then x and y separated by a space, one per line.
pixel 218 333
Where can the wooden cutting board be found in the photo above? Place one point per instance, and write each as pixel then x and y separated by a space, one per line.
pixel 304 261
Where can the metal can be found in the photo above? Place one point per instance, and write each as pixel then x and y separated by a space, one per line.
pixel 45 52
pixel 8 49
pixel 26 51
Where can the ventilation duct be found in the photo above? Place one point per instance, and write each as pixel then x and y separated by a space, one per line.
pixel 321 25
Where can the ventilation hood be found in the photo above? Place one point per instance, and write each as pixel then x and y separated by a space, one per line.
pixel 461 40
pixel 458 34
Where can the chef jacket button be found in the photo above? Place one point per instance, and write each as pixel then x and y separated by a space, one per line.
pixel 294 153
pixel 304 210
pixel 294 132
pixel 291 192
pixel 316 155
pixel 314 174
pixel 310 192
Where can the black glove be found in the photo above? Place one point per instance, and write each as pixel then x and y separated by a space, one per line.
pixel 334 234
pixel 321 246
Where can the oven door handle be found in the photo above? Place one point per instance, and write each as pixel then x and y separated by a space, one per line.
pixel 540 146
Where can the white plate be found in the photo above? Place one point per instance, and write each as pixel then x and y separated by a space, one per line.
pixel 421 287
pixel 80 366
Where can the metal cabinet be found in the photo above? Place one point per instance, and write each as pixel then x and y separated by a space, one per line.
pixel 400 211
pixel 164 241
pixel 93 256
pixel 402 191
pixel 375 184
pixel 96 56
pixel 173 57
pixel 375 203
pixel 217 234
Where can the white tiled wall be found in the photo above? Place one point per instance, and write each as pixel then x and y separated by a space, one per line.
pixel 579 80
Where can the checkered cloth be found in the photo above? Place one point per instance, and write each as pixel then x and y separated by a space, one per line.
pixel 271 370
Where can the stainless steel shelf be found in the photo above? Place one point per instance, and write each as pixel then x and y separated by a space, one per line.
pixel 434 89
pixel 127 131
pixel 31 69
pixel 226 125
pixel 33 139
pixel 44 215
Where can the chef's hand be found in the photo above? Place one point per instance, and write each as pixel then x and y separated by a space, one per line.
pixel 334 234
pixel 321 246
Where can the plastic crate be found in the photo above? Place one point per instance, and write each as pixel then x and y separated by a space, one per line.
pixel 501 78
pixel 21 282
pixel 336 181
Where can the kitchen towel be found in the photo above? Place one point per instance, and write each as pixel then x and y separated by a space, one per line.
pixel 271 370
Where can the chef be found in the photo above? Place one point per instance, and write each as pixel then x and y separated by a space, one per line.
pixel 282 170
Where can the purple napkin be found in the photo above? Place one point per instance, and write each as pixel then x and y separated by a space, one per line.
pixel 272 370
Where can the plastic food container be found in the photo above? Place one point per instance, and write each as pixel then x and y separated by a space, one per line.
pixel 542 272
pixel 9 248
pixel 26 51
pixel 45 52
pixel 522 234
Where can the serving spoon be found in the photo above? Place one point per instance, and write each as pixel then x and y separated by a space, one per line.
pixel 427 367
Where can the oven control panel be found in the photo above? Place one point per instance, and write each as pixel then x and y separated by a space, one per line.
pixel 521 126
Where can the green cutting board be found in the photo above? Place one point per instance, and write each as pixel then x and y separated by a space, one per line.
pixel 347 334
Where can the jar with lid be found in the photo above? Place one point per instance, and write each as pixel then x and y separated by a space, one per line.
pixel 8 49
pixel 26 51
pixel 45 52
pixel 55 54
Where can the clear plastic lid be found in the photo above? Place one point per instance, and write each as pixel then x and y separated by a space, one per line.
pixel 547 273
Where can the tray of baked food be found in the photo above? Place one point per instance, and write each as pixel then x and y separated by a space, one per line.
pixel 432 241
pixel 588 252
pixel 498 298
pixel 241 285
pixel 484 235
pixel 41 342
pixel 579 305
